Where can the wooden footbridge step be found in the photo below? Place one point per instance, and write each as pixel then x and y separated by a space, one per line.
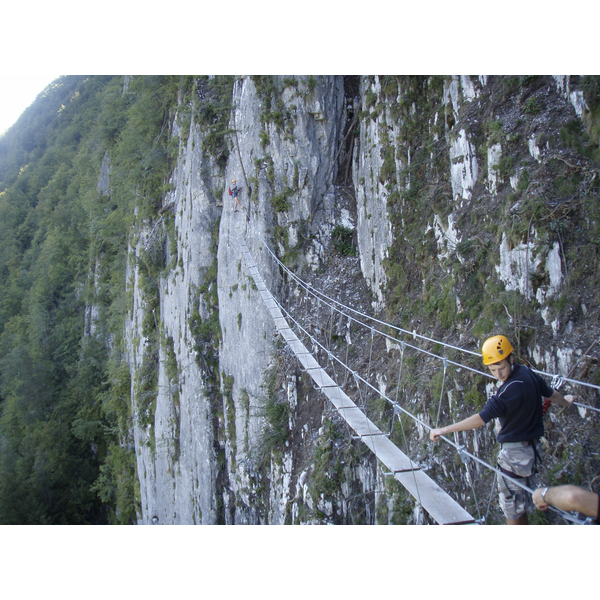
pixel 442 508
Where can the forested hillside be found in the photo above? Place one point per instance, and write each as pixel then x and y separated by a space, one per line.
pixel 63 240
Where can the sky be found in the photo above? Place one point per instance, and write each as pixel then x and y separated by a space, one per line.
pixel 17 92
pixel 457 43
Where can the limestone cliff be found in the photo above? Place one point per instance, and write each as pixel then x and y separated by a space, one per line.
pixel 459 193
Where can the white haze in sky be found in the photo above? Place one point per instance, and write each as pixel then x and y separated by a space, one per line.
pixel 17 92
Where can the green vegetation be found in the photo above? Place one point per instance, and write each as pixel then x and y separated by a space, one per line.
pixel 533 106
pixel 207 332
pixel 273 108
pixel 65 412
pixel 281 201
pixel 214 109
pixel 412 207
pixel 590 85
pixel 229 405
pixel 275 413
pixel 342 239
pixel 327 471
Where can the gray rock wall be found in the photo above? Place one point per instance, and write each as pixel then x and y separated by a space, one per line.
pixel 177 460
pixel 177 470
pixel 198 462
pixel 300 159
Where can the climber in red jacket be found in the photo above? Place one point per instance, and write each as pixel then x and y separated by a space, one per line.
pixel 234 190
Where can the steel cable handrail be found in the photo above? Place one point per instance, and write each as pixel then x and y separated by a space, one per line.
pixel 460 449
pixel 309 287
pixel 312 290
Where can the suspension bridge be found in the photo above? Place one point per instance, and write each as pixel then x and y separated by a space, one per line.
pixel 441 507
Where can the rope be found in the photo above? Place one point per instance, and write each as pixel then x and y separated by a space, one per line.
pixel 406 442
pixel 437 419
pixel 491 496
pixel 313 291
pixel 470 478
pixel 460 449
pixel 463 453
pixel 370 353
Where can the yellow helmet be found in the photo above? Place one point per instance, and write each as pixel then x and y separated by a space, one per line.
pixel 495 349
pixel 233 181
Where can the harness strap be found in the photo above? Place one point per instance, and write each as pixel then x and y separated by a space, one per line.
pixel 511 474
pixel 538 458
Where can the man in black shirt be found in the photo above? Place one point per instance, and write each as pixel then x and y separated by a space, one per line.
pixel 518 406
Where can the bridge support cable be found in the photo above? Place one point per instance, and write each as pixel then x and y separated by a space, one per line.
pixel 463 453
pixel 345 309
pixel 441 506
pixel 437 419
pixel 492 492
pixel 317 293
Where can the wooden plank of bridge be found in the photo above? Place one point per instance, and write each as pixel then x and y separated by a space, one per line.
pixel 321 378
pixel 363 426
pixel 338 398
pixel 389 454
pixel 443 509
pixel 434 499
pixel 308 361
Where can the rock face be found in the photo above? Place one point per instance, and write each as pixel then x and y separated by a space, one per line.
pixel 175 454
pixel 294 165
pixel 201 443
pixel 194 445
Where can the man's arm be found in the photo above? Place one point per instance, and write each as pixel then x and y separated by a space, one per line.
pixel 558 398
pixel 467 424
pixel 568 497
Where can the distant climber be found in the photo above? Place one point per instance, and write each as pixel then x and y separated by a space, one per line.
pixel 518 406
pixel 234 190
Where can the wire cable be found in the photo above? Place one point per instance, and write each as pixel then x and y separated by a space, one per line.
pixel 316 293
pixel 460 449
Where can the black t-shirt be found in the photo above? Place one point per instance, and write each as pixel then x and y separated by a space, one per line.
pixel 518 405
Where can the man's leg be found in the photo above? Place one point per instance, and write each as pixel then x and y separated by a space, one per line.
pixel 516 502
pixel 522 520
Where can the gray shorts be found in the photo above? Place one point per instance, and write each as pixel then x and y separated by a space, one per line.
pixel 514 500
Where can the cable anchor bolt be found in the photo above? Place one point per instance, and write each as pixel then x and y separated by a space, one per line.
pixel 462 452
